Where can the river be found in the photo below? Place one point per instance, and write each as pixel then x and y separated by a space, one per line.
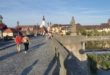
pixel 101 72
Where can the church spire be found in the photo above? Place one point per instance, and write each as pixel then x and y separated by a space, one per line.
pixel 43 22
pixel 43 18
pixel 72 21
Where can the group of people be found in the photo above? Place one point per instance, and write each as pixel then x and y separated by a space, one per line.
pixel 19 40
pixel 25 40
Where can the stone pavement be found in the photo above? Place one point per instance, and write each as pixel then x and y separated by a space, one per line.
pixel 39 60
pixel 6 44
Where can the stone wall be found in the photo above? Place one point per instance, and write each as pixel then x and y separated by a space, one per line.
pixel 73 45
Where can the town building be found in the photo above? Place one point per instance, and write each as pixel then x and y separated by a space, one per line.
pixel 32 29
pixel 28 29
pixel 73 28
pixel 103 27
pixel 9 33
pixel 2 27
pixel 65 29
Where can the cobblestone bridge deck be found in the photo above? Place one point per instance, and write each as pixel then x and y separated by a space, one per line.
pixel 39 60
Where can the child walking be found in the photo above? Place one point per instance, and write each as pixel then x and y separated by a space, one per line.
pixel 26 43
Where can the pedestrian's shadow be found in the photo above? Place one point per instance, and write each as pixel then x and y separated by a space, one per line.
pixel 29 68
pixel 58 65
pixel 9 55
pixel 37 46
pixel 5 47
pixel 14 53
pixel 55 65
pixel 4 43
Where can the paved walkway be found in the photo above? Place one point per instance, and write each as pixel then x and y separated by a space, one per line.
pixel 6 44
pixel 39 60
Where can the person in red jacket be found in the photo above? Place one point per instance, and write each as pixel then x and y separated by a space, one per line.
pixel 18 41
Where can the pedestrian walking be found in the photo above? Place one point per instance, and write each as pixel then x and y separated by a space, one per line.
pixel 18 41
pixel 26 43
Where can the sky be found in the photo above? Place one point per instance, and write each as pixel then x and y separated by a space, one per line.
pixel 29 12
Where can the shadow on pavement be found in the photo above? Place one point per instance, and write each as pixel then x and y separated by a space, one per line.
pixel 36 46
pixel 55 65
pixel 57 68
pixel 14 53
pixel 29 68
pixel 5 47
pixel 3 43
pixel 7 55
pixel 72 65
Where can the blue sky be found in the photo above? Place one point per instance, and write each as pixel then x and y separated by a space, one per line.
pixel 55 11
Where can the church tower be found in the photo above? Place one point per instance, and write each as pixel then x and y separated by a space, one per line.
pixel 43 22
pixel 73 27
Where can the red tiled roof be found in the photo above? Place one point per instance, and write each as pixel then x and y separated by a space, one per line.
pixel 2 26
pixel 10 30
pixel 26 26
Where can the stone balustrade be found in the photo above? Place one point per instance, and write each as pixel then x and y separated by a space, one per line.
pixel 73 45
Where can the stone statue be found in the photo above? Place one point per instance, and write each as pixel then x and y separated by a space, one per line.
pixel 1 18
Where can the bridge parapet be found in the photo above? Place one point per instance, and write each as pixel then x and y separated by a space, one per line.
pixel 73 45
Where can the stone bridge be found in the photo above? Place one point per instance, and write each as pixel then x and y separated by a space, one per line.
pixel 57 56
pixel 45 57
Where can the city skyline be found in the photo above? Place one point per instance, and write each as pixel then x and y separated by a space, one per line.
pixel 55 11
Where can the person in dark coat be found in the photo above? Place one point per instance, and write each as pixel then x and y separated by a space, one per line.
pixel 26 43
